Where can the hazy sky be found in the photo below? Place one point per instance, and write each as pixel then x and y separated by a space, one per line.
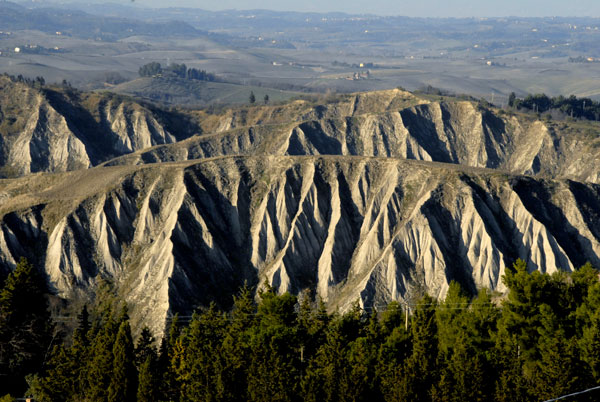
pixel 432 8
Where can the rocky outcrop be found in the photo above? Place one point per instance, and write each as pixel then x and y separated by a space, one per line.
pixel 63 130
pixel 176 235
pixel 48 130
pixel 459 132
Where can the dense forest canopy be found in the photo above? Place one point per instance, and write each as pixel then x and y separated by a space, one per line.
pixel 540 342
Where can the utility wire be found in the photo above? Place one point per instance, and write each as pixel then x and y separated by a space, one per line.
pixel 574 394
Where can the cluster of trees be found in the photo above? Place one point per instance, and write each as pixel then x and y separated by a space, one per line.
pixel 32 82
pixel 252 98
pixel 541 342
pixel 177 70
pixel 37 82
pixel 572 106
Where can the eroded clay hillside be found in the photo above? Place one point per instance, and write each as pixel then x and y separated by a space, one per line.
pixel 397 124
pixel 173 236
pixel 372 196
pixel 59 129
pixel 47 129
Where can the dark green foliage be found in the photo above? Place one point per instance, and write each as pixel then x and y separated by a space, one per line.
pixel 175 70
pixel 100 359
pixel 171 355
pixel 421 375
pixel 201 367
pixel 179 70
pixel 572 106
pixel 145 347
pixel 148 381
pixel 123 379
pixel 540 342
pixel 511 99
pixel 25 326
pixel 252 97
pixel 200 75
pixel 150 69
pixel 273 342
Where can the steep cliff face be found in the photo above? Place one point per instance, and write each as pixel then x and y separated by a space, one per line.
pixel 173 236
pixel 47 130
pixel 460 132
pixel 51 130
pixel 376 197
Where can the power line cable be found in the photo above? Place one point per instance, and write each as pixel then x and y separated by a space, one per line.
pixel 573 394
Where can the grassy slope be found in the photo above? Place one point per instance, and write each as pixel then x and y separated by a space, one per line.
pixel 179 91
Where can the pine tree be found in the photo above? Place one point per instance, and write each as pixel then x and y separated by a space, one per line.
pixel 203 364
pixel 123 381
pixel 273 343
pixel 467 368
pixel 83 325
pixel 25 326
pixel 79 353
pixel 394 350
pixel 590 346
pixel 236 347
pixel 148 381
pixel 421 367
pixel 100 363
pixel 451 316
pixel 59 384
pixel 520 316
pixel 169 357
pixel 323 376
pixel 65 378
pixel 559 370
pixel 145 347
pixel 252 98
pixel 330 376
